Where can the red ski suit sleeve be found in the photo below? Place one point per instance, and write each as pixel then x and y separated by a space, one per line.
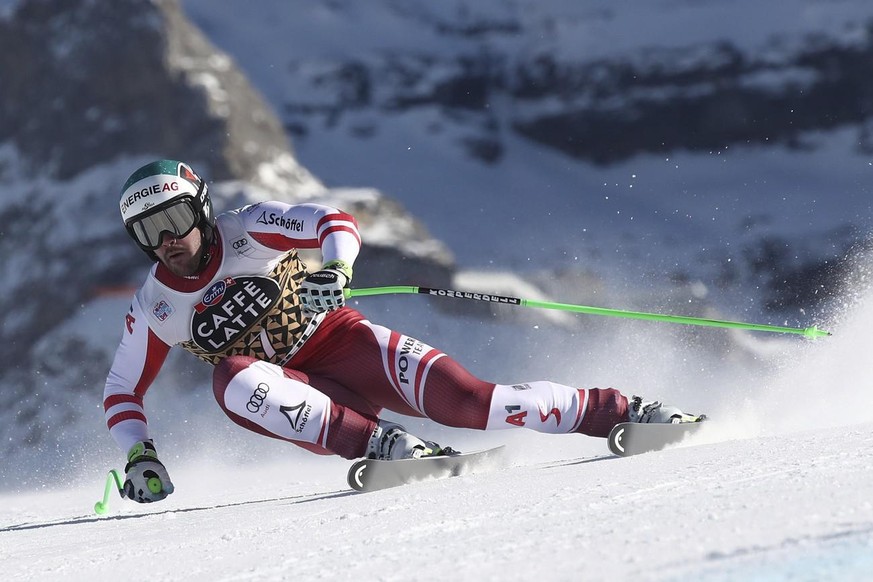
pixel 138 359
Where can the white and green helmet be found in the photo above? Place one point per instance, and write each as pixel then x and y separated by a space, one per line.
pixel 165 196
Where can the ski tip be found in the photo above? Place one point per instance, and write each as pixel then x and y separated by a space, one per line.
pixel 355 474
pixel 631 438
pixel 366 475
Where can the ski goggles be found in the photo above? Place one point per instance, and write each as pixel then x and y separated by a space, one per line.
pixel 178 219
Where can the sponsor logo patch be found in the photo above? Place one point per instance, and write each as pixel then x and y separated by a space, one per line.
pixel 134 197
pixel 298 415
pixel 241 246
pixel 273 218
pixel 229 309
pixel 162 310
pixel 214 294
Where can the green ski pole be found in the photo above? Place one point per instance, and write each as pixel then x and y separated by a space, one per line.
pixel 810 332
pixel 112 477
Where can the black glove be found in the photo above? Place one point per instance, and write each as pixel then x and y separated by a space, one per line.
pixel 146 478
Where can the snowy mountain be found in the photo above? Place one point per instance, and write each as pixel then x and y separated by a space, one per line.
pixel 726 142
pixel 699 158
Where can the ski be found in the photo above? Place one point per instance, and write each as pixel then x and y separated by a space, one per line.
pixel 371 475
pixel 632 438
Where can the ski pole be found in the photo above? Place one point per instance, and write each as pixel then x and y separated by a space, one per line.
pixel 810 332
pixel 102 506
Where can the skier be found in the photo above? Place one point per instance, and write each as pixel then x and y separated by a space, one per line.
pixel 291 361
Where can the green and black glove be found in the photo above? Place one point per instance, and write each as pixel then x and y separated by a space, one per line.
pixel 146 479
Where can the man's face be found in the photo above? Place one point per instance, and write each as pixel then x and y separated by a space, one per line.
pixel 181 255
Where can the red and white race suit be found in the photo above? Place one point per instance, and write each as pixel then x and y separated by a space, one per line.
pixel 319 381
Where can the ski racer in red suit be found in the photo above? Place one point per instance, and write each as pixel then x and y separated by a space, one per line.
pixel 291 361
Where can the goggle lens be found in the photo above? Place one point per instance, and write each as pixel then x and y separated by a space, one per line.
pixel 178 220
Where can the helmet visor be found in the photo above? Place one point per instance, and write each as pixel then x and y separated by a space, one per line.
pixel 177 220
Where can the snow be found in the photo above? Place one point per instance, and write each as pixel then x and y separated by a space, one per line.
pixel 778 487
pixel 777 507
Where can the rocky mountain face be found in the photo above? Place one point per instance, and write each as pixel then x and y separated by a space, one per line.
pixel 85 82
pixel 727 97
pixel 703 97
pixel 88 92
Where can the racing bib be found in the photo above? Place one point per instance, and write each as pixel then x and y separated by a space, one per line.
pixel 252 315
pixel 229 309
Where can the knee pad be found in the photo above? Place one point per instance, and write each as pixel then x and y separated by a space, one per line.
pixel 262 397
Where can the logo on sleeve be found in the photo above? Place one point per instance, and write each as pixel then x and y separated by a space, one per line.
pixel 229 309
pixel 280 221
pixel 162 310
pixel 129 320
pixel 241 246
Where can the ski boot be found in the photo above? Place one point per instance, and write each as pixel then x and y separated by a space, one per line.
pixel 646 412
pixel 390 442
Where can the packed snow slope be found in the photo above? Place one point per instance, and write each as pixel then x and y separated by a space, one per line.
pixel 777 507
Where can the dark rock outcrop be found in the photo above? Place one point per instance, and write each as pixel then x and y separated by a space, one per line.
pixel 88 92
